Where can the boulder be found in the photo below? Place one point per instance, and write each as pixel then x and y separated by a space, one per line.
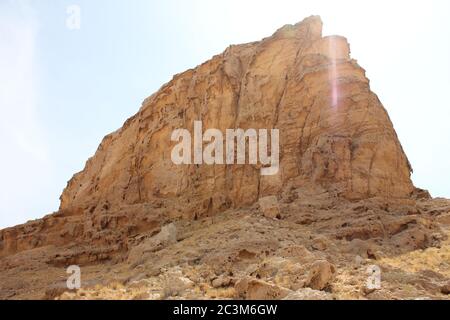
pixel 269 207
pixel 320 275
pixel 253 289
pixel 167 236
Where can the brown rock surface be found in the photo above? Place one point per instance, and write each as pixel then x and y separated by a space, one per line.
pixel 269 207
pixel 253 289
pixel 320 275
pixel 334 133
pixel 343 188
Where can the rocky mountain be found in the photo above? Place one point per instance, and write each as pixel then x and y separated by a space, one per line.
pixel 141 226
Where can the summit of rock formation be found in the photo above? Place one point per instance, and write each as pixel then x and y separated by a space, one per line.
pixel 341 198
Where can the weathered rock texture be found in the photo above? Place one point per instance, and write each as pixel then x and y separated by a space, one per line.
pixel 335 136
pixel 334 132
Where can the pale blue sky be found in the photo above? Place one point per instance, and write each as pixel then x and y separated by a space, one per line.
pixel 62 90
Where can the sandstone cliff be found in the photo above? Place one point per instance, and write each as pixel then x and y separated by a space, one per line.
pixel 335 138
pixel 334 133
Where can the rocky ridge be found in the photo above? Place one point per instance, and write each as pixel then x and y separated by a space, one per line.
pixel 142 227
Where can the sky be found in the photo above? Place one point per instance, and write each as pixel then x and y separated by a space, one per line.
pixel 63 88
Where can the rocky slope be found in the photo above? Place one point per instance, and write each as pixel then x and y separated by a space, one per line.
pixel 142 227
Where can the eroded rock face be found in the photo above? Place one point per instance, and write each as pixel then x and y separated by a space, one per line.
pixel 334 133
pixel 253 289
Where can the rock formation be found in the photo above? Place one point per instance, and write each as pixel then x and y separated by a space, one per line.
pixel 336 139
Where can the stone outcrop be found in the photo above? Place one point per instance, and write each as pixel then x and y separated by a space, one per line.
pixel 253 289
pixel 320 275
pixel 320 248
pixel 269 207
pixel 334 133
pixel 142 227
